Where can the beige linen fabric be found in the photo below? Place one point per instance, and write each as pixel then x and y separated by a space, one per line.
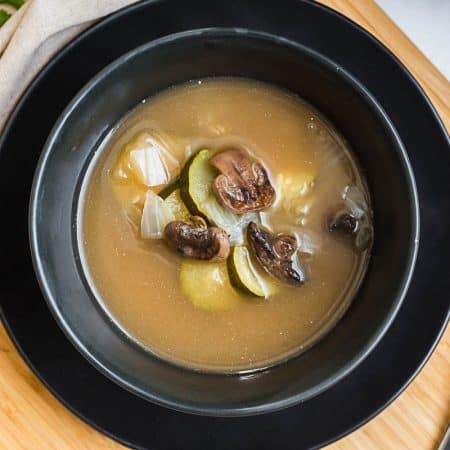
pixel 35 33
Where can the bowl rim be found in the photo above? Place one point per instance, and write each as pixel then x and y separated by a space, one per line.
pixel 264 407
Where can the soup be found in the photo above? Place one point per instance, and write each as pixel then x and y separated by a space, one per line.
pixel 226 225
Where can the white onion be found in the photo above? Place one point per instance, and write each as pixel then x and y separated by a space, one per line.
pixel 355 201
pixel 308 241
pixel 155 216
pixel 154 164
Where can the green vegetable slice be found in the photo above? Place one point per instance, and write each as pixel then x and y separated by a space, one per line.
pixel 177 206
pixel 196 188
pixel 165 192
pixel 207 285
pixel 244 276
pixel 196 181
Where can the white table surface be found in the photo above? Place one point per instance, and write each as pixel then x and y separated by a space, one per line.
pixel 427 24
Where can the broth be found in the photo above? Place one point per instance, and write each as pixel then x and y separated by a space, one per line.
pixel 138 280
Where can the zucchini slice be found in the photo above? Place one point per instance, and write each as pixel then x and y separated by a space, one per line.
pixel 196 182
pixel 244 276
pixel 177 206
pixel 166 191
pixel 207 285
pixel 196 188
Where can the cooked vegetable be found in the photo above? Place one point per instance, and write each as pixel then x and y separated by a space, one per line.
pixel 343 221
pixel 275 254
pixel 309 242
pixel 358 206
pixel 197 193
pixel 147 160
pixel 167 190
pixel 155 216
pixel 207 285
pixel 359 229
pixel 157 213
pixel 197 241
pixel 355 201
pixel 293 191
pixel 244 275
pixel 243 184
pixel 133 213
pixel 195 182
pixel 364 237
pixel 353 219
pixel 177 206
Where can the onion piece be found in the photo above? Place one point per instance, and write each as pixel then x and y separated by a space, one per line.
pixel 308 241
pixel 355 201
pixel 153 164
pixel 155 216
pixel 148 159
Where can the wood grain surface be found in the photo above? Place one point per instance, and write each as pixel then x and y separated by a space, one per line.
pixel 31 418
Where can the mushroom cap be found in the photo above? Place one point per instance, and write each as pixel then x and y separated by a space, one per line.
pixel 243 184
pixel 343 221
pixel 360 229
pixel 197 241
pixel 275 254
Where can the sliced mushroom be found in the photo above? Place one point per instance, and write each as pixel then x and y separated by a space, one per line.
pixel 243 185
pixel 197 240
pixel 275 254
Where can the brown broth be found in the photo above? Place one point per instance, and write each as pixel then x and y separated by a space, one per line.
pixel 137 281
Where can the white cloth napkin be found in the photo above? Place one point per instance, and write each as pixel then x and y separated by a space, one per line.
pixel 35 33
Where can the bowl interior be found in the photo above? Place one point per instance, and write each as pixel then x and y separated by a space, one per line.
pixel 180 58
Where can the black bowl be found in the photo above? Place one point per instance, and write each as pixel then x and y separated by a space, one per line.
pixel 176 59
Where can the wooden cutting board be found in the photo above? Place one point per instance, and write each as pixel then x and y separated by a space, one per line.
pixel 31 418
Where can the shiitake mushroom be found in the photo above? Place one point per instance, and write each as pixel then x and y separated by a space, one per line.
pixel 196 240
pixel 275 254
pixel 243 184
pixel 358 229
pixel 343 221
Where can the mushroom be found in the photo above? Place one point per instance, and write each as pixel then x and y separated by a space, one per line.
pixel 353 219
pixel 344 222
pixel 197 240
pixel 275 254
pixel 243 184
pixel 358 229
